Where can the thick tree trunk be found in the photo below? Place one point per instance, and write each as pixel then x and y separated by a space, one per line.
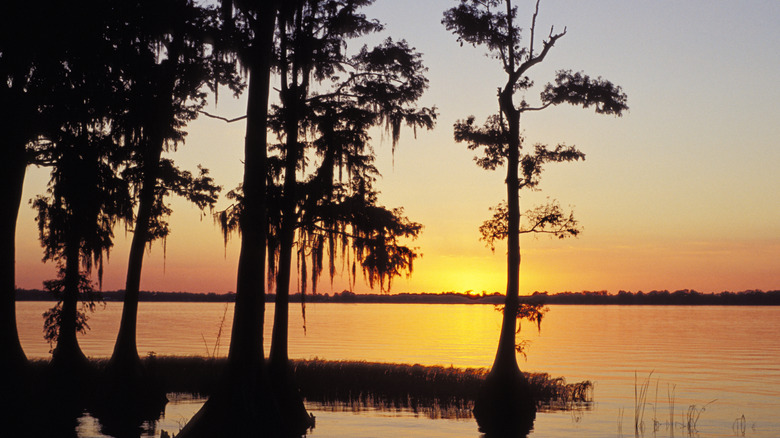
pixel 245 356
pixel 242 406
pixel 12 170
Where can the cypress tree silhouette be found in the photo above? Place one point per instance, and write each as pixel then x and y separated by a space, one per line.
pixel 85 199
pixel 381 86
pixel 28 55
pixel 505 406
pixel 243 405
pixel 166 65
pixel 86 196
pixel 327 213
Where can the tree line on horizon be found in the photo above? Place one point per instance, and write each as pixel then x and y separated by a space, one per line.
pixel 101 93
pixel 654 297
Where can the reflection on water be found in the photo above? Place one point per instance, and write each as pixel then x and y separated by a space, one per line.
pixel 330 422
pixel 727 354
pixel 179 409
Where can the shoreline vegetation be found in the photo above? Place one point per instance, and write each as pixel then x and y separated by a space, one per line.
pixel 432 391
pixel 680 297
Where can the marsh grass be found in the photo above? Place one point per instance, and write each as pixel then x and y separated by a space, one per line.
pixel 689 419
pixel 432 391
pixel 640 402
pixel 692 416
pixel 214 351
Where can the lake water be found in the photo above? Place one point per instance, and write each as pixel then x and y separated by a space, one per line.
pixel 724 360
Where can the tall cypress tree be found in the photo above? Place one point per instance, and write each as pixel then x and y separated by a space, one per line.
pixel 242 406
pixel 28 57
pixel 505 402
pixel 166 68
pixel 86 196
pixel 326 95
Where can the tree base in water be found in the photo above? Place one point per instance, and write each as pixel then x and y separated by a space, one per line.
pixel 240 406
pixel 126 399
pixel 295 420
pixel 505 406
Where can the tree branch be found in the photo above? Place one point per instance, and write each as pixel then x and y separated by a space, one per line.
pixel 533 60
pixel 539 108
pixel 511 45
pixel 533 30
pixel 222 118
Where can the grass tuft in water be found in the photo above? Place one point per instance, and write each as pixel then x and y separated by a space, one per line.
pixel 434 391
pixel 640 401
pixel 739 426
pixel 693 415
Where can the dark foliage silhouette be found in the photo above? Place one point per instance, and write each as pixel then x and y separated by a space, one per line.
pixel 165 67
pixel 76 217
pixel 58 99
pixel 328 101
pixel 28 56
pixel 322 212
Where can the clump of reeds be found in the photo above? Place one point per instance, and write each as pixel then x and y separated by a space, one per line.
pixel 434 391
pixel 554 394
pixel 640 401
pixel 692 416
pixel 689 418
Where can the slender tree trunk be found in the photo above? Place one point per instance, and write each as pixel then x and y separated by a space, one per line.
pixel 505 364
pixel 67 353
pixel 291 95
pixel 279 355
pixel 506 358
pixel 287 395
pixel 296 418
pixel 125 355
pixel 126 349
pixel 504 406
pixel 12 170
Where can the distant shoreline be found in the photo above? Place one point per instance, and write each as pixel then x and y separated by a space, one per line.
pixel 681 297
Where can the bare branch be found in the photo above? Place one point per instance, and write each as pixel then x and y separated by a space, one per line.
pixel 552 29
pixel 222 118
pixel 533 60
pixel 539 108
pixel 533 30
pixel 511 45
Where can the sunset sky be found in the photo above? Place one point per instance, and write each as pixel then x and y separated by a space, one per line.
pixel 683 191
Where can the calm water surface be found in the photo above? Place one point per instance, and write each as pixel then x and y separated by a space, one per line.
pixel 723 359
